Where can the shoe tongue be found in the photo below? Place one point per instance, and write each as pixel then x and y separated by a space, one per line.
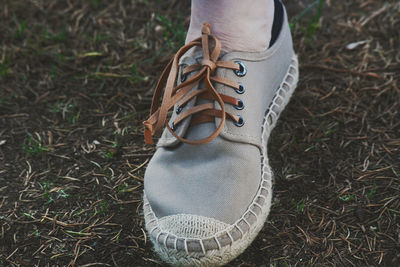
pixel 184 129
pixel 203 130
pixel 200 131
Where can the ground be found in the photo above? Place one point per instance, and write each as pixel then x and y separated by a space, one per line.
pixel 76 80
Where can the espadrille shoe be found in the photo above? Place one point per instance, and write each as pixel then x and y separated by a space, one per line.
pixel 208 187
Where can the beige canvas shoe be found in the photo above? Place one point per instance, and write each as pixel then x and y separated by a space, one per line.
pixel 208 187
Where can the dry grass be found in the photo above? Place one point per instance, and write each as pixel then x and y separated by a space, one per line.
pixel 75 79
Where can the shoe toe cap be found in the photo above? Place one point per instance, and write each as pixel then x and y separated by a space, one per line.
pixel 191 226
pixel 187 232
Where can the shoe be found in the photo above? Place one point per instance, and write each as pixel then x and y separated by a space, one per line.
pixel 208 187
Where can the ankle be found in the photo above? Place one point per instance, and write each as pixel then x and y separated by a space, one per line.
pixel 239 25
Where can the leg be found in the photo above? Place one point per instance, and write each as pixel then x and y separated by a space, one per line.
pixel 239 25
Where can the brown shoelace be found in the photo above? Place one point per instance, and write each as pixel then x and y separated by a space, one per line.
pixel 173 94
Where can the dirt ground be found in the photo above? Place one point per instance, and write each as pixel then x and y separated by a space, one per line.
pixel 76 81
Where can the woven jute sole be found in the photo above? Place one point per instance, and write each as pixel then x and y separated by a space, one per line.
pixel 249 225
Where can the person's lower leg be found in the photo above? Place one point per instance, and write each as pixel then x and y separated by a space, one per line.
pixel 240 25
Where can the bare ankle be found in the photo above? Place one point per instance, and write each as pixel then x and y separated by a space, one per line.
pixel 239 25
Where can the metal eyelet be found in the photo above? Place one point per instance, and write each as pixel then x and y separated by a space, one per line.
pixel 183 78
pixel 240 123
pixel 242 69
pixel 241 89
pixel 240 106
pixel 173 128
pixel 178 109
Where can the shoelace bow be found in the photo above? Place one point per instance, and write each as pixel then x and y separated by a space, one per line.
pixel 181 93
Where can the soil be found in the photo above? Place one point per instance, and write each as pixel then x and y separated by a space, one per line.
pixel 76 81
